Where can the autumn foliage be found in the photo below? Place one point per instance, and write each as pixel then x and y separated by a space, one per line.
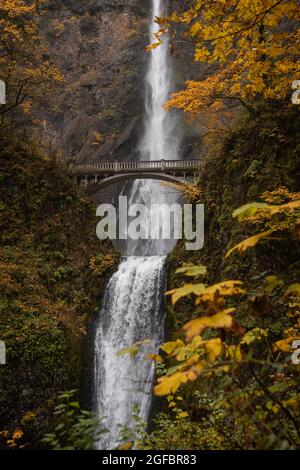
pixel 216 348
pixel 253 44
pixel 24 64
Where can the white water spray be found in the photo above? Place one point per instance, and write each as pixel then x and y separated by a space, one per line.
pixel 131 313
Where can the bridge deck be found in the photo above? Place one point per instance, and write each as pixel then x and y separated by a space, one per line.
pixel 172 166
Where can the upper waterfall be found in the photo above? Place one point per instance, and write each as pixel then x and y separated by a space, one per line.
pixel 161 137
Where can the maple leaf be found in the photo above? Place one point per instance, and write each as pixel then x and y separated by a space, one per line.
pixel 188 289
pixel 170 384
pixel 284 345
pixel 213 349
pixel 223 289
pixel 249 242
pixel 167 385
pixel 192 270
pixel 222 320
pixel 133 349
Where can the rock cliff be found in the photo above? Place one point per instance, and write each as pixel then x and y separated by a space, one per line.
pixel 99 47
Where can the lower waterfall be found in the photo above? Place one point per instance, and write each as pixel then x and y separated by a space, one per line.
pixel 131 313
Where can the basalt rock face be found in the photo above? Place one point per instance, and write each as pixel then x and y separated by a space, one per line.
pixel 99 46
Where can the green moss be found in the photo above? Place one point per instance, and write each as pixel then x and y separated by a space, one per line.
pixel 47 289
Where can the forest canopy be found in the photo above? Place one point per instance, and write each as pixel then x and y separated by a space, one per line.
pixel 254 45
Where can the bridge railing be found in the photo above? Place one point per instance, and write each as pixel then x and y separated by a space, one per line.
pixel 140 166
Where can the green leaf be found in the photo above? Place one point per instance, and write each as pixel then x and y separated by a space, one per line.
pixel 256 334
pixel 279 387
pixel 75 404
pixel 248 210
pixel 133 351
pixel 59 427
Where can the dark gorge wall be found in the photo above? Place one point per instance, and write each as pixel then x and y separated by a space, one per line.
pixel 99 47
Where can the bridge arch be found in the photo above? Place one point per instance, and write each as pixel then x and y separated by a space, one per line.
pixel 104 183
pixel 100 175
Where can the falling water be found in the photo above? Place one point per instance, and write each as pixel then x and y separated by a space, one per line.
pixel 131 313
pixel 161 138
pixel 132 310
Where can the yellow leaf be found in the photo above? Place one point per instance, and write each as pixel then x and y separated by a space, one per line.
pixel 183 414
pixel 154 357
pixel 213 349
pixel 126 446
pixel 170 384
pixel 192 271
pixel 249 243
pixel 294 290
pixel 292 403
pixel 226 288
pixel 222 319
pixel 133 351
pixel 167 385
pixel 188 289
pixel 248 210
pixel 171 346
pixel 254 335
pixel 272 283
pixel 235 352
pixel 284 345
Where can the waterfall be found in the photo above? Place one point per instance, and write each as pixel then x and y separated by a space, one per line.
pixel 132 310
pixel 131 313
pixel 161 138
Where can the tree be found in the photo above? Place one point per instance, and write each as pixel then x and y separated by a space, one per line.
pixel 24 64
pixel 250 373
pixel 254 43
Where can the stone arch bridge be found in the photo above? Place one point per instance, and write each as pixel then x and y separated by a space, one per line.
pixel 97 176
